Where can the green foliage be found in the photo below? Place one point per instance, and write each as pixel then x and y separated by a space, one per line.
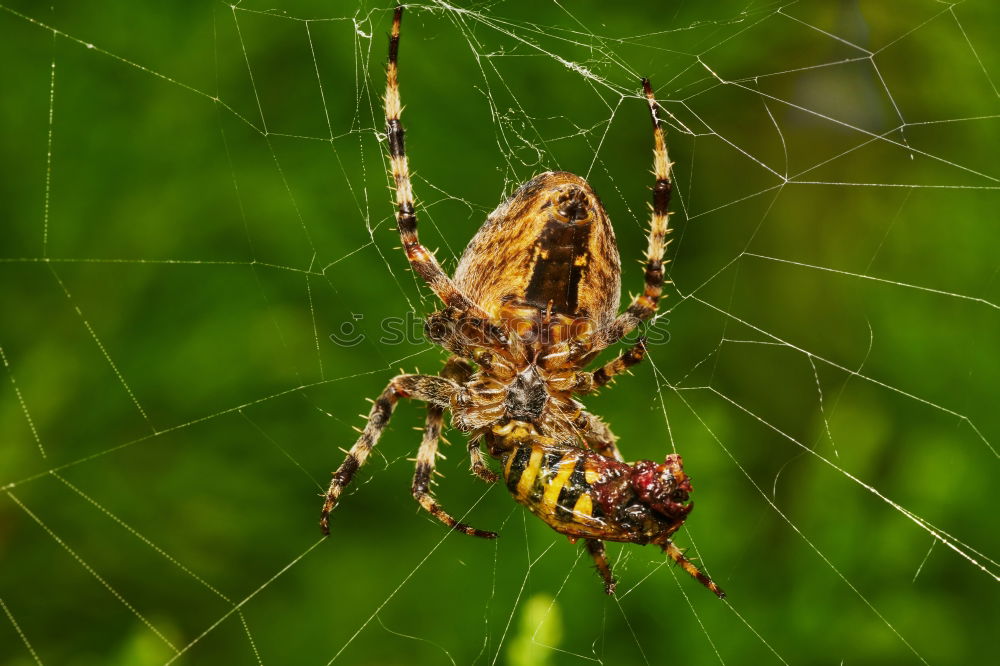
pixel 172 271
pixel 539 632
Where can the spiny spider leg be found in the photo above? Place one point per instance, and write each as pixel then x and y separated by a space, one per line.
pixel 596 549
pixel 435 390
pixel 478 460
pixel 630 357
pixel 459 370
pixel 426 458
pixel 422 261
pixel 644 305
pixel 587 382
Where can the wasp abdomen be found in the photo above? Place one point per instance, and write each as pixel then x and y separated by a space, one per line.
pixel 585 495
pixel 552 482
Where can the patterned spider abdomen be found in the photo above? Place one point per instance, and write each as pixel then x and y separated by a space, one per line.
pixel 549 251
pixel 582 494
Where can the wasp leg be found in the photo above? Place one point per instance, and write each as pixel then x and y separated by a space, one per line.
pixel 677 556
pixel 596 549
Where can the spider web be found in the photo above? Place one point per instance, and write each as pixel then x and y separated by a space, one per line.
pixel 196 208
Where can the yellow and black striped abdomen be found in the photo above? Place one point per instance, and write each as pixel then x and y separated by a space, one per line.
pixel 555 483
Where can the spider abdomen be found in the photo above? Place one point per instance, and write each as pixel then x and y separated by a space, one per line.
pixel 560 256
pixel 549 249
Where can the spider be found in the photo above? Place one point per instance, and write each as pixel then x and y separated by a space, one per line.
pixel 533 300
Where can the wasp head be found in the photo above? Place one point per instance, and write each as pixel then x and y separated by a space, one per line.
pixel 663 487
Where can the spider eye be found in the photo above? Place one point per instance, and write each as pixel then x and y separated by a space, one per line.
pixel 679 496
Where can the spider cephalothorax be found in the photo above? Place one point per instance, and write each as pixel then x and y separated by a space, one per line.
pixel 534 299
pixel 545 272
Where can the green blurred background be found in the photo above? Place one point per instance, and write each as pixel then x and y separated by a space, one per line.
pixel 216 205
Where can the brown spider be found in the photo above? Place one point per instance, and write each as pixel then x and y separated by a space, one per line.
pixel 533 301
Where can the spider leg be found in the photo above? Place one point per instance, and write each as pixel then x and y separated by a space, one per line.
pixel 425 468
pixel 631 357
pixel 459 370
pixel 596 549
pixel 677 555
pixel 587 382
pixel 469 335
pixel 478 462
pixel 598 436
pixel 644 305
pixel 435 390
pixel 422 261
